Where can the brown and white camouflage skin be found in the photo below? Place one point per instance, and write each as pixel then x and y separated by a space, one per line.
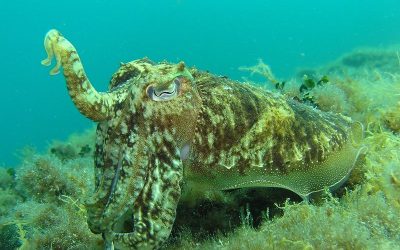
pixel 163 127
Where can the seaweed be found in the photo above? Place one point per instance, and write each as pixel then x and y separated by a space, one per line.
pixel 50 212
pixel 263 70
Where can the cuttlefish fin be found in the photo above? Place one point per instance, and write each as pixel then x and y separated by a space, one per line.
pixel 347 157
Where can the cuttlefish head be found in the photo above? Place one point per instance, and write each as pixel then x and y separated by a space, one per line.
pixel 158 107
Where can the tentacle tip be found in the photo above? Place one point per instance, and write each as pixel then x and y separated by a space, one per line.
pixel 46 62
pixel 51 39
pixel 52 33
pixel 52 36
pixel 54 71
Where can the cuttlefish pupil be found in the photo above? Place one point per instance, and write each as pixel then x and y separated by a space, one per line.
pixel 164 129
pixel 162 93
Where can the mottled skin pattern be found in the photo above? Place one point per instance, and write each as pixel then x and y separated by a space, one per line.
pixel 163 127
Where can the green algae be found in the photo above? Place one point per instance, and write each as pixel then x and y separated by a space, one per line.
pixel 48 213
pixel 42 203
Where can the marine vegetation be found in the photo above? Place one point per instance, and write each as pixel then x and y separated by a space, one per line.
pixel 186 159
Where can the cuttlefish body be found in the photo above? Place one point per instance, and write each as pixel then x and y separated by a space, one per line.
pixel 162 127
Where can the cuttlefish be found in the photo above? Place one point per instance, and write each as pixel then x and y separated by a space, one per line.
pixel 164 127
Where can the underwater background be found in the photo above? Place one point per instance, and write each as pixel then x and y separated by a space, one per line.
pixel 352 48
pixel 218 36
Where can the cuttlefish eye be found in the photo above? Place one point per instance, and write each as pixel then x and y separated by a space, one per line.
pixel 164 94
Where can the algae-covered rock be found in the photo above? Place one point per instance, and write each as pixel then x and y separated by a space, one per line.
pixel 44 209
pixel 9 237
pixel 392 118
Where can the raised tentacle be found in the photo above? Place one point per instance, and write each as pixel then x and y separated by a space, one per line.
pixel 92 104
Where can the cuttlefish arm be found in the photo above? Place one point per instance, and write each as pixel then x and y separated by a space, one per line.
pixel 154 210
pixel 120 169
pixel 95 105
